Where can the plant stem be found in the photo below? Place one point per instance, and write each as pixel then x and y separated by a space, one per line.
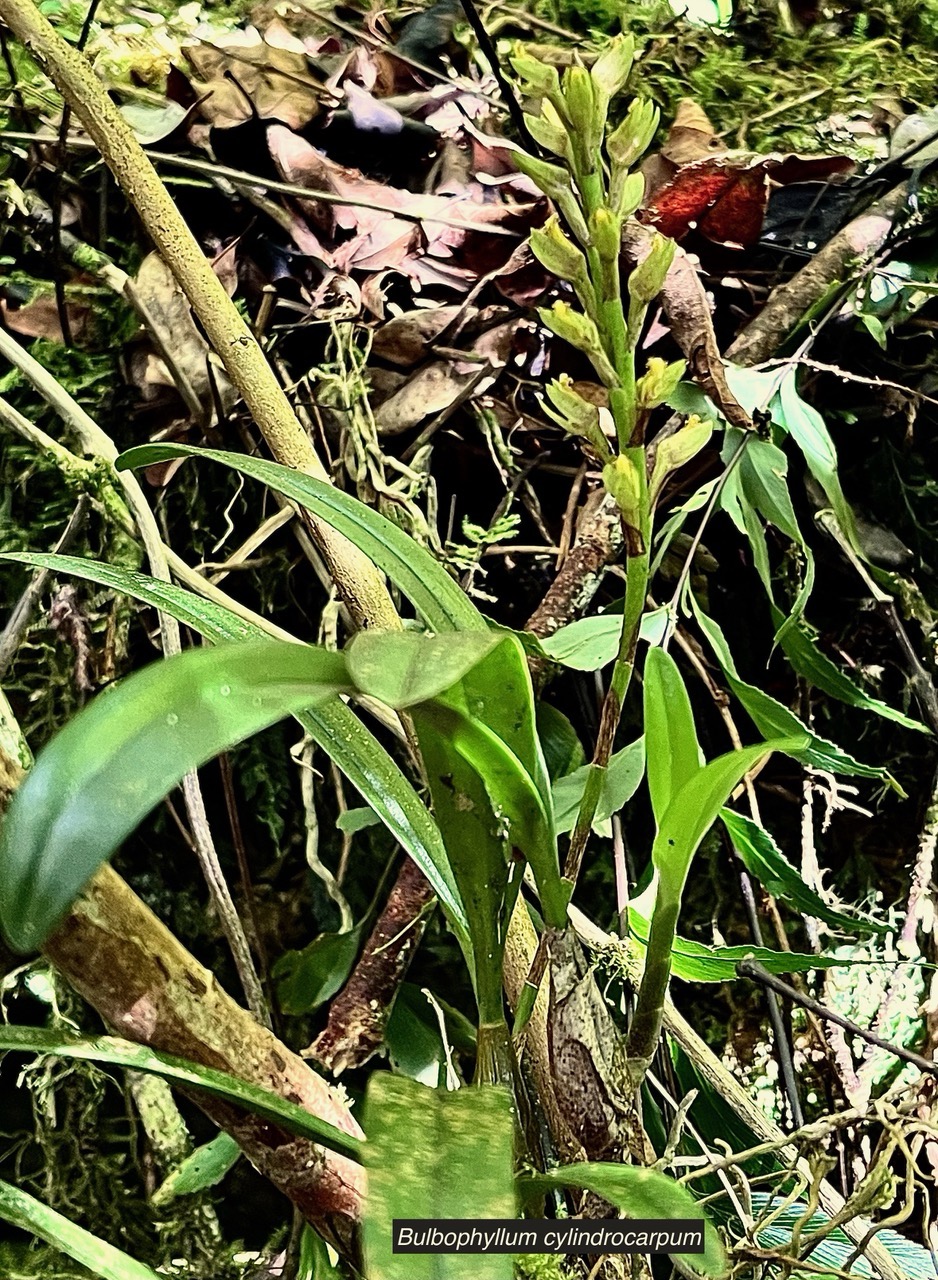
pixel 645 1027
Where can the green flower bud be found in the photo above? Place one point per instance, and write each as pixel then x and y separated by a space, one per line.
pixel 587 117
pixel 558 254
pixel 622 482
pixel 658 382
pixel 646 280
pixel 676 450
pixel 581 332
pixel 606 234
pixel 572 326
pixel 538 78
pixel 577 416
pixel 631 139
pixel 611 69
pixel 574 409
pixel 626 192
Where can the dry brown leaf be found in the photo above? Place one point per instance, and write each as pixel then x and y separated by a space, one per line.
pixel 271 69
pixel 183 356
pixel 404 340
pixel 41 319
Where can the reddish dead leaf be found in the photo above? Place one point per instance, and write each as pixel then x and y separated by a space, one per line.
pixel 694 183
pixel 725 197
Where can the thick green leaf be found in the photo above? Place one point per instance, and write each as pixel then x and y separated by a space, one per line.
pixel 591 643
pixel 91 1251
pixel 110 765
pixel 640 1193
pixel 110 1051
pixel 441 602
pixel 433 1154
pixel 477 854
pixel 623 775
pixel 475 690
pixel 307 979
pixel 694 809
pixel 773 720
pixel 405 668
pixel 671 747
pixel 331 725
pixel 764 861
pixel 204 1168
pixel 560 742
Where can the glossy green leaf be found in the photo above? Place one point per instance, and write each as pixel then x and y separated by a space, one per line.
pixel 308 978
pixel 591 643
pixel 101 1258
pixel 624 773
pixel 696 806
pixel 477 855
pixel 560 742
pixel 204 1168
pixel 405 668
pixel 110 1051
pixel 767 864
pixel 475 689
pixel 671 747
pixel 110 765
pixel 331 725
pixel 433 1154
pixel 437 597
pixel 640 1193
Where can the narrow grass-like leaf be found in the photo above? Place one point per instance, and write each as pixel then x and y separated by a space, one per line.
pixel 331 725
pixel 773 720
pixel 698 962
pixel 809 431
pixel 802 652
pixel 112 1052
pixel 440 601
pixel 764 861
pixel 433 1154
pixel 101 1258
pixel 111 764
pixel 640 1193
pixel 204 1168
pixel 671 747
